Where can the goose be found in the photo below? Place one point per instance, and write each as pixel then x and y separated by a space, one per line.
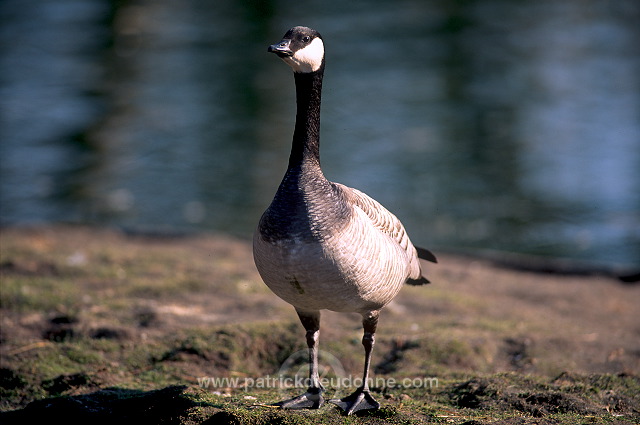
pixel 321 245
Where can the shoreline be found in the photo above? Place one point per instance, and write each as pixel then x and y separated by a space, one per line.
pixel 626 273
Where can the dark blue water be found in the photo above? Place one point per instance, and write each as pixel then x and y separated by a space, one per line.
pixel 505 125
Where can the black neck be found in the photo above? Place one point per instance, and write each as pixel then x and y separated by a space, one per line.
pixel 306 136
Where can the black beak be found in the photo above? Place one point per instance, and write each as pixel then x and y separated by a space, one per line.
pixel 281 49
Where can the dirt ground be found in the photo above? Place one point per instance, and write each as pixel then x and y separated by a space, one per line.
pixel 100 325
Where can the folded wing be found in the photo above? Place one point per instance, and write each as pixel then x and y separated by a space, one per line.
pixel 388 223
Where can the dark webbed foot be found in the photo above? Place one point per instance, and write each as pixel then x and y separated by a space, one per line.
pixel 361 399
pixel 312 399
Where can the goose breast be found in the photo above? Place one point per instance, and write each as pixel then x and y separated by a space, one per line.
pixel 354 267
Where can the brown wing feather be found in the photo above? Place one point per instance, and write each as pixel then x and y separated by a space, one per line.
pixel 389 224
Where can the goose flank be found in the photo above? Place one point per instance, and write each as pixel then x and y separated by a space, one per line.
pixel 322 245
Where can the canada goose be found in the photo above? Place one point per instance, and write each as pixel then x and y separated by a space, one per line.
pixel 322 245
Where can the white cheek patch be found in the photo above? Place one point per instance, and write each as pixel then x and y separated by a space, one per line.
pixel 308 59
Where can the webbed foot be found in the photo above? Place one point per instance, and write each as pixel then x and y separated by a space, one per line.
pixel 312 399
pixel 361 399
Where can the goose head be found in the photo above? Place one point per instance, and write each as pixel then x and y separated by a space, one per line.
pixel 301 48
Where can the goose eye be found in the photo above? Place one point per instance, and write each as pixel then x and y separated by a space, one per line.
pixel 306 39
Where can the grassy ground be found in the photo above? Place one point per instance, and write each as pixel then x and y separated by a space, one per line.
pixel 98 327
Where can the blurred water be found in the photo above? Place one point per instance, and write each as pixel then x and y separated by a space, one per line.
pixel 482 124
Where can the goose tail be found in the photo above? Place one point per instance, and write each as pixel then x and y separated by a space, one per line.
pixel 424 254
pixel 418 282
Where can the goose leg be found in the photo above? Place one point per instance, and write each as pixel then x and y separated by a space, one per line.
pixel 312 399
pixel 361 399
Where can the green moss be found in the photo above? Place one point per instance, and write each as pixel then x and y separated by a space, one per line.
pixel 248 349
pixel 35 293
pixel 83 355
pixel 116 283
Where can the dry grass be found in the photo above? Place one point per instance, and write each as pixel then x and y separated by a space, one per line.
pixel 99 325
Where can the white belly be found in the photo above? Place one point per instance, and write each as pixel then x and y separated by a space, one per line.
pixel 357 271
